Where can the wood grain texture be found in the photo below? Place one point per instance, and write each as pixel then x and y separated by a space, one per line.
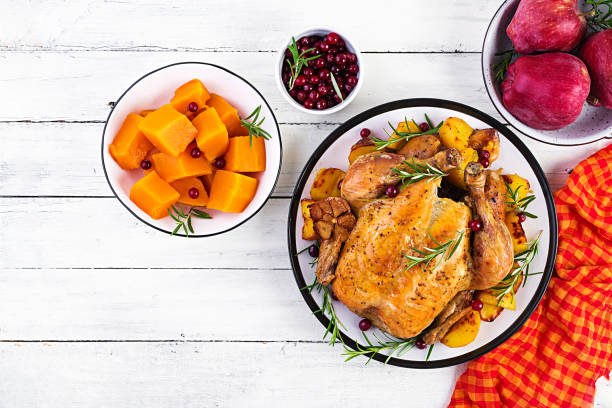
pixel 264 26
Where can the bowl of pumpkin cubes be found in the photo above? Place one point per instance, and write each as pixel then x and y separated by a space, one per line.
pixel 192 149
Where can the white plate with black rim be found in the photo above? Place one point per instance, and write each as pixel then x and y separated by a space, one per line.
pixel 156 89
pixel 514 157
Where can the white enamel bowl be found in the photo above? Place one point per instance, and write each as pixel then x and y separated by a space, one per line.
pixel 156 89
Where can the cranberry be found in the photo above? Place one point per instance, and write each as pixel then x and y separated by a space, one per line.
pixel 314 95
pixel 314 39
pixel 301 96
pixel 485 154
pixel 337 98
pixel 475 225
pixel 300 80
pixel 319 63
pixel 340 184
pixel 220 163
pixel 391 191
pixel 340 44
pixel 323 90
pixel 351 80
pixel 307 72
pixel 288 53
pixel 477 305
pixel 340 60
pixel 329 58
pixel 313 52
pixel 314 80
pixel 286 76
pixel 304 41
pixel 307 88
pixel 324 74
pixel 365 132
pixel 335 70
pixel 196 153
pixel 192 107
pixel 365 324
pixel 420 344
pixel 321 104
pixel 293 93
pixel 333 295
pixel 522 217
pixel 308 104
pixel 348 88
pixel 352 58
pixel 313 250
pixel 194 193
pixel 324 46
pixel 332 38
pixel 424 126
pixel 145 165
pixel 484 162
pixel 353 68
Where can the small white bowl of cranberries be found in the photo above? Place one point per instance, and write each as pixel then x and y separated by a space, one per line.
pixel 319 71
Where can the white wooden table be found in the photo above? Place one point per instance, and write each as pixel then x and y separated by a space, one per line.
pixel 97 309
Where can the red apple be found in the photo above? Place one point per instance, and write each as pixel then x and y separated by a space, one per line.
pixel 596 52
pixel 546 25
pixel 546 91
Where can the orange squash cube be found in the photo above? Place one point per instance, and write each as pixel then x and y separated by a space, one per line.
pixel 192 91
pixel 243 157
pixel 231 192
pixel 130 145
pixel 207 179
pixel 169 130
pixel 145 112
pixel 174 168
pixel 212 138
pixel 184 185
pixel 153 195
pixel 228 114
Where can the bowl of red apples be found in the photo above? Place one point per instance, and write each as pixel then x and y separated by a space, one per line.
pixel 547 66
pixel 319 71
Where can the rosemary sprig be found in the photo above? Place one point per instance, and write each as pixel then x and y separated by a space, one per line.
pixel 254 127
pixel 394 345
pixel 523 259
pixel 597 18
pixel 327 308
pixel 429 352
pixel 315 259
pixel 183 219
pixel 419 172
pixel 502 66
pixel 520 203
pixel 336 87
pixel 300 60
pixel 397 136
pixel 430 254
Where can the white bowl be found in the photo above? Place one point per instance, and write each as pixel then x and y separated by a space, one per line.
pixel 514 157
pixel 322 31
pixel 592 124
pixel 156 89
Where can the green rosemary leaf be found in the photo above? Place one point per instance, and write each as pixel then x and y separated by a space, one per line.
pixel 336 87
pixel 431 254
pixel 189 225
pixel 429 352
pixel 255 130
pixel 396 136
pixel 429 122
pixel 177 228
pixel 502 66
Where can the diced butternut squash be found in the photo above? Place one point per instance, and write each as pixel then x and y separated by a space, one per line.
pixel 519 185
pixel 308 231
pixel 243 157
pixel 207 179
pixel 145 112
pixel 457 176
pixel 212 138
pixel 489 312
pixel 153 195
pixel 192 91
pixel 325 184
pixel 519 239
pixel 169 130
pixel 174 168
pixel 184 185
pixel 456 133
pixel 402 127
pixel 130 145
pixel 231 192
pixel 363 146
pixel 228 114
pixel 464 331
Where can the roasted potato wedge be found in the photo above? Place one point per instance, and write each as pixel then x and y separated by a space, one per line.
pixel 489 312
pixel 363 146
pixel 326 184
pixel 421 147
pixel 456 133
pixel 464 331
pixel 456 176
pixel 308 231
pixel 486 139
pixel 519 185
pixel 519 239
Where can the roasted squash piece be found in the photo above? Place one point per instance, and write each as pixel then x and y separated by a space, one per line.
pixel 326 184
pixel 363 146
pixel 153 195
pixel 245 155
pixel 456 133
pixel 519 185
pixel 486 139
pixel 489 312
pixel 228 114
pixel 463 332
pixel 519 239
pixel 169 130
pixel 130 145
pixel 231 192
pixel 212 138
pixel 457 176
pixel 184 185
pixel 308 232
pixel 175 168
pixel 192 91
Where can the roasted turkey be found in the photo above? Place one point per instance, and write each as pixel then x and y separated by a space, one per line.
pixel 366 260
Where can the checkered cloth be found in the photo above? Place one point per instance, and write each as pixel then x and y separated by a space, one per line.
pixel 566 345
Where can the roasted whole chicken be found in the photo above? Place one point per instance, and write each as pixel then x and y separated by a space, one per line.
pixel 368 237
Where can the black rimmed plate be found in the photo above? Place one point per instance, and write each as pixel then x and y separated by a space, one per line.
pixel 156 89
pixel 515 157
